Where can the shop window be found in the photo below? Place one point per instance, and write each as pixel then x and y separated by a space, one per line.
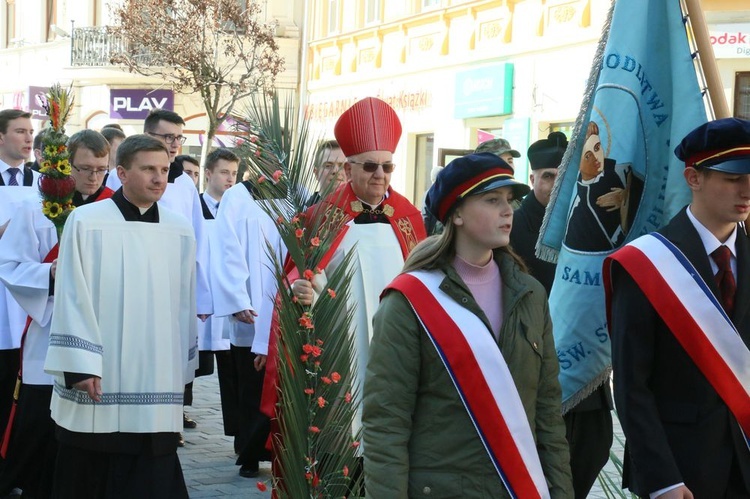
pixel 566 128
pixel 423 166
pixel 742 96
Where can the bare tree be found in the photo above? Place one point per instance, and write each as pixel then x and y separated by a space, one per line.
pixel 219 49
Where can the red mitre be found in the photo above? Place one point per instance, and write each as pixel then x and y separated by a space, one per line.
pixel 369 125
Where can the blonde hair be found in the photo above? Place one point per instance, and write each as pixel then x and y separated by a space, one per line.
pixel 441 249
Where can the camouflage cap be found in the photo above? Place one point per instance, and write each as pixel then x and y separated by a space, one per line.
pixel 497 147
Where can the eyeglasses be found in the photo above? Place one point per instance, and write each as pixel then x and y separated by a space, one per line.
pixel 88 171
pixel 169 138
pixel 372 167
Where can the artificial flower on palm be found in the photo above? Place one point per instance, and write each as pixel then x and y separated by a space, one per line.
pixel 55 183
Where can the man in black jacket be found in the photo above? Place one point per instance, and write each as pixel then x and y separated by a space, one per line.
pixel 682 426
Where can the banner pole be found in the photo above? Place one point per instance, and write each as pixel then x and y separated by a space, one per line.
pixel 707 59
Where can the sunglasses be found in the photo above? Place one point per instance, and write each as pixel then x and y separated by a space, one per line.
pixel 372 167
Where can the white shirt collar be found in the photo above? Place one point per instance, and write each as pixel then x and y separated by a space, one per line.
pixel 4 166
pixel 710 242
pixel 213 205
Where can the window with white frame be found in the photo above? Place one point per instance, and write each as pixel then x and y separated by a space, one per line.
pixel 373 11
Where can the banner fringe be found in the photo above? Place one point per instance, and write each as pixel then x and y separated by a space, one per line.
pixel 548 252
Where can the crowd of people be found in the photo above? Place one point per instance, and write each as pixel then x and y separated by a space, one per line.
pixel 153 284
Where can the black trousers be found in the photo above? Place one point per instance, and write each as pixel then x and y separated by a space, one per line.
pixel 30 463
pixel 9 363
pixel 84 473
pixel 228 391
pixel 254 427
pixel 588 429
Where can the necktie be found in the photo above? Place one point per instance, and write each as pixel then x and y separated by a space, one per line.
pixel 13 172
pixel 724 278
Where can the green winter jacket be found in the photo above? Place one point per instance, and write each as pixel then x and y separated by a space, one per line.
pixel 418 439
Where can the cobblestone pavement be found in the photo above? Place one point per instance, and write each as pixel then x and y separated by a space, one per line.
pixel 208 457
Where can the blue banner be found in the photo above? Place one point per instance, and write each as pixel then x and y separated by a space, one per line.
pixel 619 178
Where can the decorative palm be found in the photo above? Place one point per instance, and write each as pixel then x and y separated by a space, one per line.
pixel 314 449
pixel 55 183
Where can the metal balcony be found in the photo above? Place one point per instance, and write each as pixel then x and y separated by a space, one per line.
pixel 95 46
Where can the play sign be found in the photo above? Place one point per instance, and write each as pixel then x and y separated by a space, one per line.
pixel 135 103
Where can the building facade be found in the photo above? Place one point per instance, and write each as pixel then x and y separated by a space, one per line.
pixel 67 41
pixel 461 71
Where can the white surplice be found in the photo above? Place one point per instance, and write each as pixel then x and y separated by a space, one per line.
pixel 242 275
pixel 124 311
pixel 181 196
pixel 12 316
pixel 28 239
pixel 377 261
pixel 213 335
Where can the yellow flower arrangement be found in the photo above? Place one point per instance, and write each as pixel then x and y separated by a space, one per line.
pixel 64 167
pixel 51 209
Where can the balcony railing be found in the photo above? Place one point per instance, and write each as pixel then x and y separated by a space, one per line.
pixel 95 46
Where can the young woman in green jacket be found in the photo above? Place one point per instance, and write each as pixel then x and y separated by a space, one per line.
pixel 461 397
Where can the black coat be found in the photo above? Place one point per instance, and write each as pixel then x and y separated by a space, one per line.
pixel 527 222
pixel 677 428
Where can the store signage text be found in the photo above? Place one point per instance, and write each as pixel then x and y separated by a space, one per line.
pixel 402 101
pixel 730 40
pixel 137 103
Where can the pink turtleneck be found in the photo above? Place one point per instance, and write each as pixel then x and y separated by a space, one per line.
pixel 486 286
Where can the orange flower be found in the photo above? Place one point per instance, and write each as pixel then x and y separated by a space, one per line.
pixel 321 402
pixel 295 219
pixel 307 348
pixel 306 322
pixel 316 480
pixel 308 274
pixel 295 299
pixel 262 486
pixel 277 175
pixel 253 139
pixel 315 241
pixel 326 380
pixel 258 152
pixel 336 377
pixel 299 233
pixel 280 220
pixel 345 471
pixel 317 363
pixel 319 342
pixel 348 397
pixel 318 270
pixel 304 358
pixel 355 444
pixel 331 293
pixel 261 179
pixel 308 475
pixel 316 351
pixel 309 391
pixel 314 429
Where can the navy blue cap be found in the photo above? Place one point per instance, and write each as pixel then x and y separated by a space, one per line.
pixel 469 175
pixel 722 145
pixel 548 153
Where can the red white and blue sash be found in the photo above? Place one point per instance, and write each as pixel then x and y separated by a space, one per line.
pixel 692 313
pixel 483 380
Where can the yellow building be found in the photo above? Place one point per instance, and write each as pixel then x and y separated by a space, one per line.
pixel 456 69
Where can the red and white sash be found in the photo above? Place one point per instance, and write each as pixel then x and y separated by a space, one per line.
pixel 693 314
pixel 483 380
